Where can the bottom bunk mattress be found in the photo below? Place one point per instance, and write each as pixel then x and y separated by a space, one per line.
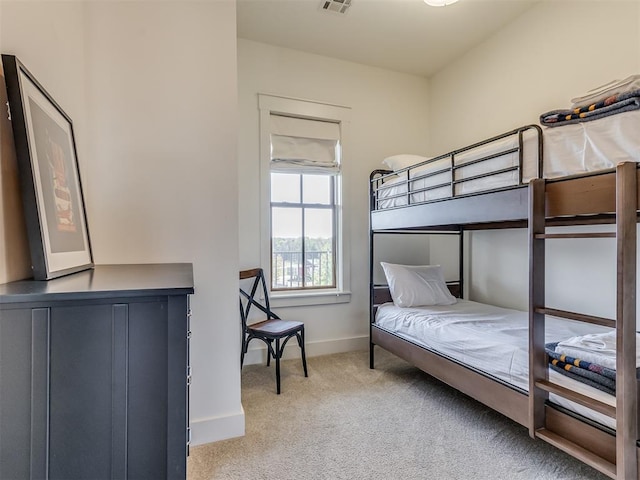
pixel 492 340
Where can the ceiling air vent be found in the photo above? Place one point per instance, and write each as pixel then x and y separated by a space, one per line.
pixel 336 6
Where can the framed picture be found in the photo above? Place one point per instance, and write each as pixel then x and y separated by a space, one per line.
pixel 49 177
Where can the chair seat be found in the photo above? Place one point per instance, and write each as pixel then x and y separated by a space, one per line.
pixel 275 327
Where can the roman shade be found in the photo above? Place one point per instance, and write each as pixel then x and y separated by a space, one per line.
pixel 304 145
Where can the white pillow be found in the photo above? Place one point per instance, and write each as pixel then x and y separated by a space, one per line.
pixel 404 160
pixel 413 286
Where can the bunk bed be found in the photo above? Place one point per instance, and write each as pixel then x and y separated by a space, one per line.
pixel 514 180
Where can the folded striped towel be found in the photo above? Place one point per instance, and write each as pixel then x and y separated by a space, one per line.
pixel 612 105
pixel 591 374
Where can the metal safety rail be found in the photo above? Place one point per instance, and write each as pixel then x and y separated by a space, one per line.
pixel 411 177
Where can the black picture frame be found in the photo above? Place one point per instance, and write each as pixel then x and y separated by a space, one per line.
pixel 52 194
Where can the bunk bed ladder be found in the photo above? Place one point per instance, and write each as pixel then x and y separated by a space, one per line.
pixel 626 409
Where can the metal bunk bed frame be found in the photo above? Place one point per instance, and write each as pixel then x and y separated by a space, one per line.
pixel 609 196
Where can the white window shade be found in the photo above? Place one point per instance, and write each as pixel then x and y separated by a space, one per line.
pixel 304 145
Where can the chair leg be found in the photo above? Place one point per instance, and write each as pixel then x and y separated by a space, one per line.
pixel 304 357
pixel 277 351
pixel 269 350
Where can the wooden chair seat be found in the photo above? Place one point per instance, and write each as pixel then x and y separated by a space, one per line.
pixel 275 327
pixel 271 330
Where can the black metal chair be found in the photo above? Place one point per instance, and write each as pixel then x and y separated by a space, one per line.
pixel 272 329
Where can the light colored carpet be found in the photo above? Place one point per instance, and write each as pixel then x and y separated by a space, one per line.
pixel 349 422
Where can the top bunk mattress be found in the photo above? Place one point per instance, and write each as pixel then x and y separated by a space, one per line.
pixel 492 340
pixel 568 150
pixel 591 146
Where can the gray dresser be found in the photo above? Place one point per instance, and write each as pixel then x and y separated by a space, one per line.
pixel 94 374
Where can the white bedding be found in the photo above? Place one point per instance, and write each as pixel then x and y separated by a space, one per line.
pixel 567 150
pixel 491 339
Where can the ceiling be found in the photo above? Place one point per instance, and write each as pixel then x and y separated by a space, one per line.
pixel 401 35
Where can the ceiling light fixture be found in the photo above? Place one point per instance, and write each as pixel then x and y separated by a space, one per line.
pixel 439 3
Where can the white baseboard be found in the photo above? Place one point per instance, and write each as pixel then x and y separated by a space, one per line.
pixel 218 428
pixel 258 352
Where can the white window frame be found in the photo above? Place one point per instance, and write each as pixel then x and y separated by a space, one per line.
pixel 275 104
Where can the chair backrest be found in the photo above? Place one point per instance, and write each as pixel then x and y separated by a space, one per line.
pixel 258 287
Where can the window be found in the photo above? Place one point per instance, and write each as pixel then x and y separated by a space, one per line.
pixel 303 240
pixel 303 227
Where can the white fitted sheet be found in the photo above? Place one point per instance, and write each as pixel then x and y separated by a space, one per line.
pixel 493 340
pixel 568 150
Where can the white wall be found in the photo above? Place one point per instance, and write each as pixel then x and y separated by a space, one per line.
pixel 152 90
pixel 388 116
pixel 553 52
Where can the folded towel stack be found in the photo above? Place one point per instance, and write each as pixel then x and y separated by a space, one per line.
pixel 591 374
pixel 598 348
pixel 601 93
pixel 614 97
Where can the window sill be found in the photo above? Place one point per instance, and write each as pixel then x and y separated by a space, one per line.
pixel 301 299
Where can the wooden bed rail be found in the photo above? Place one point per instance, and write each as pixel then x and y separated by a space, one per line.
pixel 587 194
